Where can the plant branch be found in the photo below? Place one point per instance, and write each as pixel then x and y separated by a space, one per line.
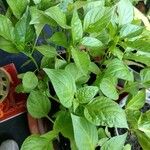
pixel 50 119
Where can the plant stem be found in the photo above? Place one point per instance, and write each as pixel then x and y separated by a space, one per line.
pixel 116 130
pixel 50 119
pixel 54 98
pixel 35 63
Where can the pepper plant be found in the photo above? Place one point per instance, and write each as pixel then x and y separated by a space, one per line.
pixel 107 53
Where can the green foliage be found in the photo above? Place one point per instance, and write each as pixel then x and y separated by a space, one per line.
pixel 103 44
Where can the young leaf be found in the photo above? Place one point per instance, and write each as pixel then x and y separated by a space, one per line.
pixel 102 23
pixel 30 81
pixel 145 76
pixel 23 31
pixel 76 27
pixel 137 102
pixel 125 12
pixel 60 39
pixel 144 123
pixel 133 118
pixel 38 104
pixel 74 71
pixel 94 68
pixel 138 58
pixel 37 1
pixel 47 50
pixel 8 46
pixel 82 60
pixel 86 136
pixel 64 85
pixel 63 124
pixel 91 42
pixel 39 19
pixel 143 140
pixel 6 28
pixel 139 44
pixel 113 116
pixel 86 94
pixel 56 14
pixel 36 142
pixel 109 88
pixel 18 7
pixel 60 64
pixel 92 16
pixel 115 143
pixel 118 69
pixel 130 31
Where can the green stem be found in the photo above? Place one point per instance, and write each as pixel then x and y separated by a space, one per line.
pixel 55 99
pixel 50 119
pixel 33 60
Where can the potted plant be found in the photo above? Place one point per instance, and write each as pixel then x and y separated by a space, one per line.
pixel 79 92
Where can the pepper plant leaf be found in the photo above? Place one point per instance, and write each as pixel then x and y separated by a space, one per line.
pixel 115 143
pixel 125 12
pixel 18 7
pixel 6 28
pixel 64 85
pixel 38 104
pixel 113 116
pixel 76 27
pixel 86 94
pixel 57 15
pixel 85 133
pixel 82 60
pixel 117 68
pixel 137 102
pixel 36 142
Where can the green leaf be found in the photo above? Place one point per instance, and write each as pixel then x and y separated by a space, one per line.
pixel 130 31
pixel 39 19
pixel 56 14
pixel 118 69
pixel 115 143
pixel 133 118
pixel 143 140
pixel 6 28
pixel 60 64
pixel 8 46
pixel 125 12
pixel 51 135
pixel 18 7
pixel 138 58
pixel 60 39
pixel 23 31
pixel 144 123
pixel 76 27
pixel 127 147
pixel 109 88
pixel 38 104
pixel 145 76
pixel 36 142
pixel 82 60
pixel 137 102
pixel 113 116
pixel 94 68
pixel 64 85
pixel 85 133
pixel 86 94
pixel 92 16
pixel 30 81
pixel 139 44
pixel 74 71
pixel 63 124
pixel 91 42
pixel 47 50
pixel 101 23
pixel 36 1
